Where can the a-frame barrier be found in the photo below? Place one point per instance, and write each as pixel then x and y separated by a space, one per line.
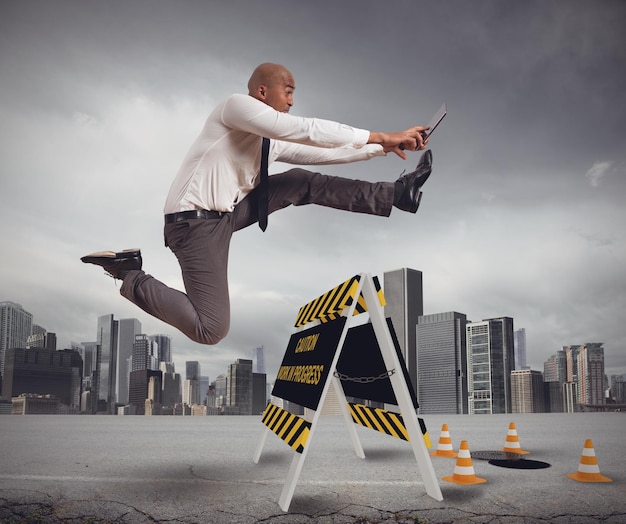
pixel 310 365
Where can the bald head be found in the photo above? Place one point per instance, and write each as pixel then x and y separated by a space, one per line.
pixel 269 75
pixel 272 84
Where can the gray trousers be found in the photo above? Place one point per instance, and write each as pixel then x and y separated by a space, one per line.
pixel 201 246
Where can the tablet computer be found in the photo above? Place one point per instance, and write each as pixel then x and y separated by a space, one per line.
pixel 436 120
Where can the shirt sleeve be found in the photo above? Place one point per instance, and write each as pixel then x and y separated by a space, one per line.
pixel 245 113
pixel 310 155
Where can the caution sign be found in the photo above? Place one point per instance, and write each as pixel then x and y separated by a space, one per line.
pixel 361 361
pixel 306 364
pixel 331 304
pixel 293 429
pixel 385 421
pixel 362 369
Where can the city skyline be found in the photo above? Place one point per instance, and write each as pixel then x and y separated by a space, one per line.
pixel 245 353
pixel 521 216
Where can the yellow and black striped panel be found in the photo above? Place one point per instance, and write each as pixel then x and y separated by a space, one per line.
pixel 331 304
pixel 385 421
pixel 293 429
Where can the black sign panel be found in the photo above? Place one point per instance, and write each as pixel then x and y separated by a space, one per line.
pixel 306 364
pixel 361 359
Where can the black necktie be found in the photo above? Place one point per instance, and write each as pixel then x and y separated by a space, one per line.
pixel 263 186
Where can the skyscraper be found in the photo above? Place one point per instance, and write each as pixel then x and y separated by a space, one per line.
pixel 191 392
pixel 591 373
pixel 221 390
pixel 519 343
pixel 165 347
pixel 555 376
pixel 527 391
pixel 191 385
pixel 40 338
pixel 571 361
pixel 15 326
pixel 405 304
pixel 144 353
pixel 106 363
pixel 555 368
pixel 139 388
pixel 192 370
pixel 258 360
pixel 490 359
pixel 618 389
pixel 239 386
pixel 44 372
pixel 171 385
pixel 128 329
pixel 203 388
pixel 259 392
pixel 442 363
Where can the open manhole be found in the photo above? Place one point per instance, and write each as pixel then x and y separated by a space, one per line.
pixel 505 459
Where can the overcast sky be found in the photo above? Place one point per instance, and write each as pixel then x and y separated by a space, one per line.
pixel 523 216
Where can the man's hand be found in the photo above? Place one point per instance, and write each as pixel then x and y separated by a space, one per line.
pixel 400 141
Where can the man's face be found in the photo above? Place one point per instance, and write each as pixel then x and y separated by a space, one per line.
pixel 280 95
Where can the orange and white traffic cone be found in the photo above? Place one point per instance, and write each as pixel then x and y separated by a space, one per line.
pixel 464 469
pixel 444 446
pixel 511 444
pixel 588 470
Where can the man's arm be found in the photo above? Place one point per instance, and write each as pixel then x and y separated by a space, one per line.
pixel 303 154
pixel 245 113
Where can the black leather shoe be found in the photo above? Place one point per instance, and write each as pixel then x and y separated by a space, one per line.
pixel 409 199
pixel 115 263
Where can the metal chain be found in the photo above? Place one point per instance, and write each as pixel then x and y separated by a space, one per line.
pixel 364 380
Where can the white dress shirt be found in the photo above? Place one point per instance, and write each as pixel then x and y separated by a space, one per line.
pixel 222 165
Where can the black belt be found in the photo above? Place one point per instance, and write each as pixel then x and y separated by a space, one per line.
pixel 194 213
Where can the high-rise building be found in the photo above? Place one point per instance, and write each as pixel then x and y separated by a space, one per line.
pixel 192 370
pixel 554 376
pixel 259 391
pixel 258 360
pixel 571 357
pixel 591 373
pixel 519 345
pixel 89 354
pixel 570 397
pixel 405 304
pixel 572 392
pixel 106 364
pixel 128 328
pixel 171 386
pixel 191 392
pixel 490 359
pixel 44 372
pixel 555 368
pixel 144 353
pixel 140 389
pixel 442 363
pixel 40 338
pixel 16 325
pixel 191 384
pixel 203 388
pixel 221 389
pixel 527 391
pixel 165 347
pixel 618 389
pixel 239 386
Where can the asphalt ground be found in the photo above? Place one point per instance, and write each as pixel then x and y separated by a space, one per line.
pixel 200 470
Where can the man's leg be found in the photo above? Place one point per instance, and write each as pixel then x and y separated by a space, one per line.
pixel 299 187
pixel 203 314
